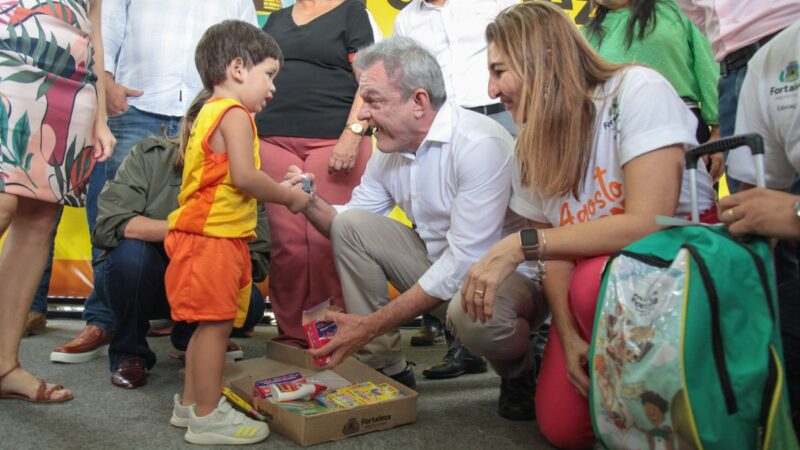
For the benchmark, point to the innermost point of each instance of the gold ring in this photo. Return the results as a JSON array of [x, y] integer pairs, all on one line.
[[479, 293], [731, 214]]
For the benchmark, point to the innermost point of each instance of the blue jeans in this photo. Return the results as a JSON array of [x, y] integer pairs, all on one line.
[[132, 279], [129, 128], [728, 89]]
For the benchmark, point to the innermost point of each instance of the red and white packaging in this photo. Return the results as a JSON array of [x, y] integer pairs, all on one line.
[[318, 330]]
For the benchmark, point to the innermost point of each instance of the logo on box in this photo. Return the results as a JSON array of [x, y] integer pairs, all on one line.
[[351, 427]]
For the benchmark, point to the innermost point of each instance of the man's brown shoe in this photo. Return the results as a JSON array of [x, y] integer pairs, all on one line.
[[91, 342], [130, 374], [35, 323]]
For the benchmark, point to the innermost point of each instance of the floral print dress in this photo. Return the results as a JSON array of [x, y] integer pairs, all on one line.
[[48, 100]]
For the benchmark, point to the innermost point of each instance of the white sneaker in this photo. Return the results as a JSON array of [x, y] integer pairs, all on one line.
[[224, 426], [180, 413]]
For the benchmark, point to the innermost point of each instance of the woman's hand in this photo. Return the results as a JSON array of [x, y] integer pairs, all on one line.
[[576, 355], [344, 154], [486, 275], [715, 161], [104, 141]]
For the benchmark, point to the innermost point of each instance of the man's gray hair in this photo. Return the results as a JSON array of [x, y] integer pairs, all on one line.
[[408, 64]]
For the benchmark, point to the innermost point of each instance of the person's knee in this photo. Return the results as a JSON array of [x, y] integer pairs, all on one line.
[[476, 336], [126, 259], [35, 217], [255, 310], [8, 207], [563, 418], [345, 226]]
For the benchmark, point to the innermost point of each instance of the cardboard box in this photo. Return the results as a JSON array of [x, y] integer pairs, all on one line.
[[323, 427]]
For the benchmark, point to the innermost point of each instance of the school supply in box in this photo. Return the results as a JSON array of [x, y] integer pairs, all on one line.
[[283, 392], [308, 422], [686, 349], [360, 394], [263, 387]]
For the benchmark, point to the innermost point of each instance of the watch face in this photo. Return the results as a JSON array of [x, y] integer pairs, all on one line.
[[356, 128], [529, 237]]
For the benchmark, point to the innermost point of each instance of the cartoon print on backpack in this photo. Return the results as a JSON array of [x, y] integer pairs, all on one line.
[[661, 436]]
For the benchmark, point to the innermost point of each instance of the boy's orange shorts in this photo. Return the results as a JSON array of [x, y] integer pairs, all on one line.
[[207, 279]]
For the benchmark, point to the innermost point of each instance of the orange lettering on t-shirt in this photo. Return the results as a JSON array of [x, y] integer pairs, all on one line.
[[599, 175], [598, 198], [607, 193], [583, 215], [616, 189], [566, 216]]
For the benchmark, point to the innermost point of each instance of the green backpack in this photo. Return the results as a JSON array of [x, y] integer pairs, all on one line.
[[686, 350]]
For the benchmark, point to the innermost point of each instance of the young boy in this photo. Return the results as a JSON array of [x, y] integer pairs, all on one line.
[[208, 277]]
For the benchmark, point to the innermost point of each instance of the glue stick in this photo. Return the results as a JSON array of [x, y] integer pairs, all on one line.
[[293, 391]]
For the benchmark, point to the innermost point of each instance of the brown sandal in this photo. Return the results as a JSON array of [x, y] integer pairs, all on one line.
[[43, 395]]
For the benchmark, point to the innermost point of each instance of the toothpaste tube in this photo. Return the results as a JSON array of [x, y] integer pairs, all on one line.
[[283, 392]]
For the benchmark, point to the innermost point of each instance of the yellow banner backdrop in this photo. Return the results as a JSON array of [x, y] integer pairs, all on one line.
[[72, 274]]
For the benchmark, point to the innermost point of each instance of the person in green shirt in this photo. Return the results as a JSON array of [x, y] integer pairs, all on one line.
[[655, 33]]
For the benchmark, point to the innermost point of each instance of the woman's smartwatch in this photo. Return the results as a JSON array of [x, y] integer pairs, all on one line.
[[529, 241]]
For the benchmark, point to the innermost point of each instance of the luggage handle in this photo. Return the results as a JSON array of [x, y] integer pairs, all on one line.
[[752, 140]]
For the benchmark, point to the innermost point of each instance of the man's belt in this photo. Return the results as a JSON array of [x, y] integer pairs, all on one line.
[[739, 58], [488, 110]]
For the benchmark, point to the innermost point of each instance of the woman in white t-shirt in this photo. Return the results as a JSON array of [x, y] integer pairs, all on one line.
[[600, 154]]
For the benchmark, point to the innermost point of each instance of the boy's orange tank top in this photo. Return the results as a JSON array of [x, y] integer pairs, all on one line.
[[209, 204]]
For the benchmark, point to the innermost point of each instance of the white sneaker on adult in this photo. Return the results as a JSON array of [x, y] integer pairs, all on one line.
[[180, 413], [224, 426]]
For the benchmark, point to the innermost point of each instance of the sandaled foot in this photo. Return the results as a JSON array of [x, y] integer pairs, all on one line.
[[16, 383]]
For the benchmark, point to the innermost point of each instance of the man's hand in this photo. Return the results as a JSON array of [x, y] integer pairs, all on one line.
[[117, 96], [761, 211], [352, 333], [300, 199]]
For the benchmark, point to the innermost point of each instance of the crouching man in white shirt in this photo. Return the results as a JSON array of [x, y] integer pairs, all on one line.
[[450, 170]]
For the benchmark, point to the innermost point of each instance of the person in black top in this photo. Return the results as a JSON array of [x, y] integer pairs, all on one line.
[[311, 123]]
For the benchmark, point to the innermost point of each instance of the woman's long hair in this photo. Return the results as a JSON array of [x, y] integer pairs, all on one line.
[[186, 127], [643, 14], [559, 73]]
